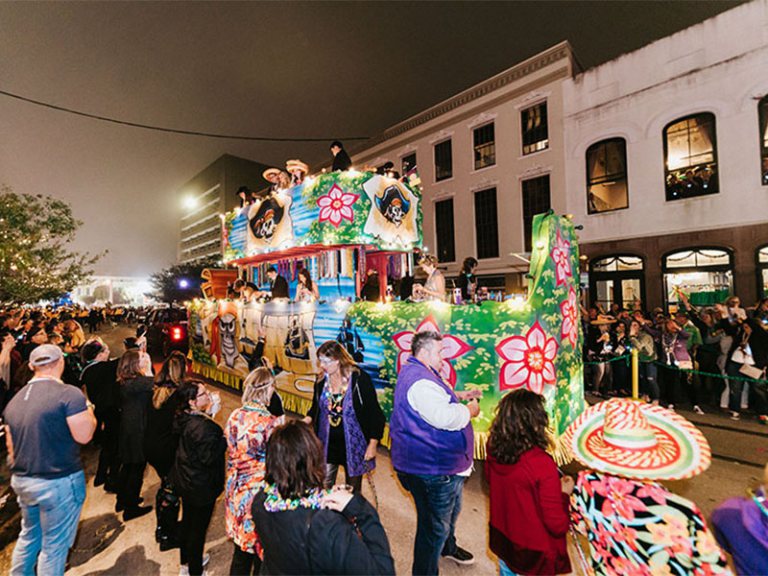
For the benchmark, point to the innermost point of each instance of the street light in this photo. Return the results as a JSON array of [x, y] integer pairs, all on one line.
[[183, 283], [190, 202]]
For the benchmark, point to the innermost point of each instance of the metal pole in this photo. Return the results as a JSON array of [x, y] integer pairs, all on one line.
[[635, 355]]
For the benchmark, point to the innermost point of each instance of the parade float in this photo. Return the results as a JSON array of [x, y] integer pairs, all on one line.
[[338, 226]]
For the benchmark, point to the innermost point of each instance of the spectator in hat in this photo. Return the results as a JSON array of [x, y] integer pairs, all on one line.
[[45, 423], [341, 160], [628, 448], [298, 171]]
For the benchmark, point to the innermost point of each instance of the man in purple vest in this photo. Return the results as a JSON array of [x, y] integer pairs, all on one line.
[[432, 448]]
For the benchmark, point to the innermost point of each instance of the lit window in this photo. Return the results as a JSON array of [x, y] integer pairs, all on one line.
[[484, 146], [690, 153], [607, 176], [535, 131]]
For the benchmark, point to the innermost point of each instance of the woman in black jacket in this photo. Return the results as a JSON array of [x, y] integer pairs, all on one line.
[[346, 415], [160, 441], [197, 474], [305, 529], [135, 398]]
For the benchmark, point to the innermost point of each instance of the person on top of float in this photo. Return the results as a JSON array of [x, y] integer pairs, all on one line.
[[298, 171], [434, 287]]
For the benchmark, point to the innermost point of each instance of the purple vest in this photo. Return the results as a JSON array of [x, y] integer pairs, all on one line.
[[354, 439], [418, 447]]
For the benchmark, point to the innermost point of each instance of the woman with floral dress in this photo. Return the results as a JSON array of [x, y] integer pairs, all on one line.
[[634, 524], [247, 431]]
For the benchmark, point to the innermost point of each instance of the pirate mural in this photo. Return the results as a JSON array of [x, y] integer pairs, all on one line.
[[225, 349], [269, 222], [296, 340], [393, 212]]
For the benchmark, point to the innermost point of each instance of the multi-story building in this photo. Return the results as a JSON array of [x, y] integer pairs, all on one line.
[[667, 165], [489, 159], [208, 195]]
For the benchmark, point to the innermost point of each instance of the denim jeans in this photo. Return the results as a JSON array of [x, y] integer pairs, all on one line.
[[438, 503], [50, 512]]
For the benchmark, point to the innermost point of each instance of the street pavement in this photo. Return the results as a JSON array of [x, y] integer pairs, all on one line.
[[108, 546]]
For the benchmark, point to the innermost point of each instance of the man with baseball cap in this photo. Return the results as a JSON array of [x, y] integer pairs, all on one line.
[[45, 423]]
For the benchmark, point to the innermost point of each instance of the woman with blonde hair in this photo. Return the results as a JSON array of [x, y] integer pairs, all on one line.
[[346, 415], [160, 442], [434, 287], [135, 399], [247, 431]]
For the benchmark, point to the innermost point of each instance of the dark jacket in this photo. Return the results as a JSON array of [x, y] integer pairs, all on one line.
[[364, 401], [279, 287], [341, 161], [160, 438], [100, 381], [198, 469], [135, 401], [306, 541]]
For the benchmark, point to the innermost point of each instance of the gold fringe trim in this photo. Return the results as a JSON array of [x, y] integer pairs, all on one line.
[[481, 440], [229, 380], [294, 402]]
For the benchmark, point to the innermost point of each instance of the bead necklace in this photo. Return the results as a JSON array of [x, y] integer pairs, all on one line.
[[336, 403], [275, 503]]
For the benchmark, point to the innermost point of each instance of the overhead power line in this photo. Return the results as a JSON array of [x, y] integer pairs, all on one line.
[[174, 130]]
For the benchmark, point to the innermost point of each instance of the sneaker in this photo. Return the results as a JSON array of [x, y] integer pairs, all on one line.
[[184, 570], [461, 556], [698, 410], [735, 416], [671, 407]]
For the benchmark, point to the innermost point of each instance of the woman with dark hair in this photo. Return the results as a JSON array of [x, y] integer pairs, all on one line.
[[305, 529], [247, 431], [467, 280], [529, 501], [346, 415], [306, 289], [160, 441], [135, 397], [197, 474]]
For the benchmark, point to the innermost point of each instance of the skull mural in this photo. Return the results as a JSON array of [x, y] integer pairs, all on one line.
[[393, 205], [266, 220], [224, 344], [269, 222]]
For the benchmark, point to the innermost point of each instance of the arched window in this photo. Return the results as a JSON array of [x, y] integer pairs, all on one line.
[[616, 279], [762, 112], [762, 271], [607, 176], [690, 156], [704, 274]]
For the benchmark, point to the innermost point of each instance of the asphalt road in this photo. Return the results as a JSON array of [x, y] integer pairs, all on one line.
[[108, 546]]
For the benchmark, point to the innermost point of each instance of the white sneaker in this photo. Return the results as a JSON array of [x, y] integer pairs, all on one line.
[[735, 416], [206, 559], [698, 410], [184, 570]]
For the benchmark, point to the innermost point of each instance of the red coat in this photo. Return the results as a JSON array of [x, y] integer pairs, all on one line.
[[529, 514]]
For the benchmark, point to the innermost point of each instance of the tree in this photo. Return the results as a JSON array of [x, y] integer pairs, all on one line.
[[35, 263], [181, 281]]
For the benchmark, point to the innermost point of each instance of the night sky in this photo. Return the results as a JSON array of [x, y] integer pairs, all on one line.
[[319, 70]]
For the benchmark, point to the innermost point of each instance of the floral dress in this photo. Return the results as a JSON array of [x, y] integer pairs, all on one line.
[[639, 528], [247, 431]]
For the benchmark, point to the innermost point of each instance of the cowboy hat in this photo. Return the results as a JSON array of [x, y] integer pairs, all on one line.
[[603, 319], [291, 165], [635, 440], [271, 174]]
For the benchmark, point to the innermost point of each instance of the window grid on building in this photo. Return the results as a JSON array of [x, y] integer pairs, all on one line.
[[535, 131], [443, 161], [607, 176], [444, 232], [484, 146], [486, 224], [690, 157], [408, 163], [536, 200]]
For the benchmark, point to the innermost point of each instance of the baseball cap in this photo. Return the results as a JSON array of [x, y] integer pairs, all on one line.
[[45, 354]]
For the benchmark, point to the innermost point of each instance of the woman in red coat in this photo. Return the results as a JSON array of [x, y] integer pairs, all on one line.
[[529, 500]]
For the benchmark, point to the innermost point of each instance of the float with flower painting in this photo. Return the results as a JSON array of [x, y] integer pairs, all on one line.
[[340, 225]]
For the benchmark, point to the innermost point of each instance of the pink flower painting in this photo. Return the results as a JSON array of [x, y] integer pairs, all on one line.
[[561, 254], [337, 206], [529, 361], [453, 347], [570, 310]]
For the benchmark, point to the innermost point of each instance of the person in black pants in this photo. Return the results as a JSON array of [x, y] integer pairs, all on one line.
[[100, 380], [135, 398], [198, 469]]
